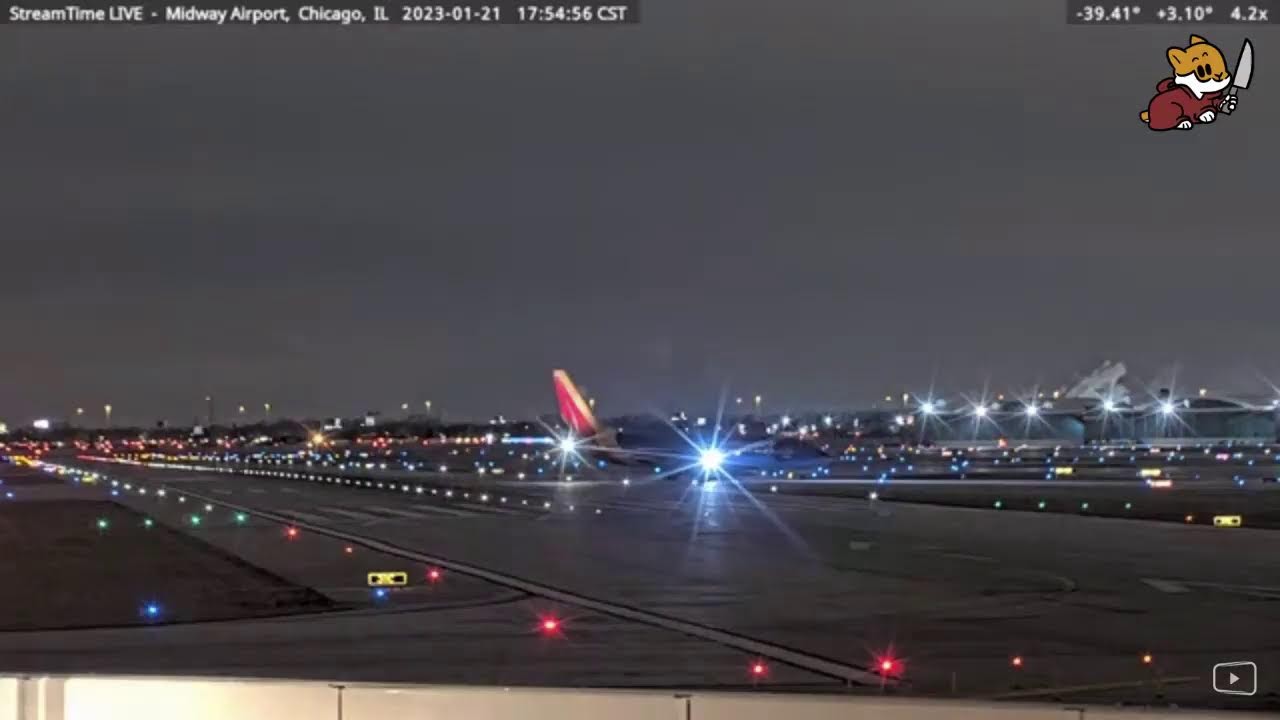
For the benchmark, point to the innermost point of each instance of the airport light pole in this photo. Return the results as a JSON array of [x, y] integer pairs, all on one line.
[[758, 399], [428, 404], [106, 410], [266, 411], [209, 400]]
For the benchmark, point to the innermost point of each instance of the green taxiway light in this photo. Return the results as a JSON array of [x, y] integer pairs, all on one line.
[[147, 523], [1040, 505], [241, 517], [1084, 506], [1128, 506], [103, 524], [998, 504], [195, 519]]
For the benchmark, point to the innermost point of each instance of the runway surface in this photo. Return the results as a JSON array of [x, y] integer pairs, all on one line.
[[664, 583]]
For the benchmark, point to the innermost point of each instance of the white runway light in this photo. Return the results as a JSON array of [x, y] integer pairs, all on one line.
[[712, 459]]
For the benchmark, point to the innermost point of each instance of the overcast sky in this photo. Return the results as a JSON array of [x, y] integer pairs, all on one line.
[[816, 200]]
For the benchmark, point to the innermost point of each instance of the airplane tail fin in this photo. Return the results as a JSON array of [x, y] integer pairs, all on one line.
[[574, 409]]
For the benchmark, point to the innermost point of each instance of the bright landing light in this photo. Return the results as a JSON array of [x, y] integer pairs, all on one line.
[[568, 445], [712, 459], [980, 410], [1166, 407], [927, 408]]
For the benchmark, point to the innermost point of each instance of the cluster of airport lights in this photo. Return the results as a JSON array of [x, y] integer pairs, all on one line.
[[1032, 409], [446, 493], [151, 610]]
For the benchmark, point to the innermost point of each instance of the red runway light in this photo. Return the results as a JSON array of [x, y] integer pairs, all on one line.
[[758, 668], [291, 532], [349, 550], [1016, 661], [887, 665], [1146, 659], [433, 574], [550, 625]]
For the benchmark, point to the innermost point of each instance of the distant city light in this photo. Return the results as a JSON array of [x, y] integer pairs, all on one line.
[[786, 421]]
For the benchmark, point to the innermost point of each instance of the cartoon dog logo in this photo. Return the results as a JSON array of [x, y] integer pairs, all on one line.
[[1201, 89]]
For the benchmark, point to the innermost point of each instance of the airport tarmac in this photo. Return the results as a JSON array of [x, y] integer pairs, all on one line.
[[954, 594]]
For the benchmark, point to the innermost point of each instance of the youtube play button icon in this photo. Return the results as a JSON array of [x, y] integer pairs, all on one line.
[[1235, 678]]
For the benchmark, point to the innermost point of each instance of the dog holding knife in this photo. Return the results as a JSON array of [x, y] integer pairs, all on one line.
[[1201, 89]]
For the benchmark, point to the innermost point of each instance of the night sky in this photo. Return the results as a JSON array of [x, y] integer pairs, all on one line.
[[816, 201]]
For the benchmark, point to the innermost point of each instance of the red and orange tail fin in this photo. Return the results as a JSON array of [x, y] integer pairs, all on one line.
[[574, 409]]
